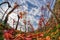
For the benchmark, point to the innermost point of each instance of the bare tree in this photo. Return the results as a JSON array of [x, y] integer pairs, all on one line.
[[5, 3], [6, 18], [17, 22], [21, 14], [7, 9], [48, 6], [31, 26]]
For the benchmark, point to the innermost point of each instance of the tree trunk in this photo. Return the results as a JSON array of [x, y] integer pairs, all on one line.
[[7, 3], [17, 23], [53, 14], [7, 9], [4, 14], [6, 18]]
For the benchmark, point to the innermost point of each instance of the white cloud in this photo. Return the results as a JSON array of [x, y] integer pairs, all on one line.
[[30, 15]]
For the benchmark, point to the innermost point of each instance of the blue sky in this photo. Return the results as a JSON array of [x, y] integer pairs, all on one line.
[[0, 1], [31, 4]]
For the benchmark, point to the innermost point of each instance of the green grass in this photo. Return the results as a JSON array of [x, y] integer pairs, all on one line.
[[1, 35]]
